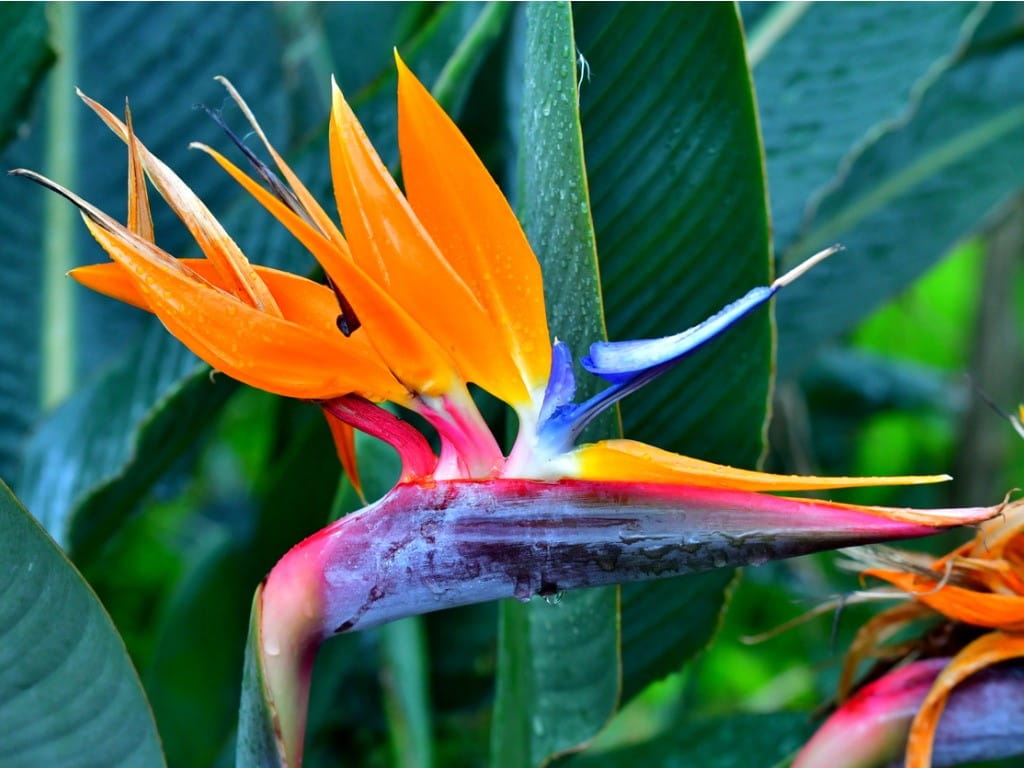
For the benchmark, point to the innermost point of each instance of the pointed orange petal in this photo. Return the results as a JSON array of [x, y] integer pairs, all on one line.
[[215, 243], [389, 244], [113, 280], [978, 608], [140, 220], [301, 301], [410, 352], [472, 223], [345, 444], [984, 652], [304, 361], [632, 460]]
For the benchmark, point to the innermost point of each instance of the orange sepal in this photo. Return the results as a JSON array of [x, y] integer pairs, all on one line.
[[393, 247], [300, 300], [410, 352], [632, 460], [472, 223], [982, 609], [310, 361], [983, 652]]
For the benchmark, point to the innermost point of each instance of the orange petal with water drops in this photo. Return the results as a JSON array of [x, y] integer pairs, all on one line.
[[300, 300], [982, 609], [409, 351], [214, 241], [265, 351], [983, 652], [472, 223], [392, 246], [632, 460]]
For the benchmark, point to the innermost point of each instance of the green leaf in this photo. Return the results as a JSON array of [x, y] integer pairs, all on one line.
[[92, 459], [819, 93], [68, 692], [257, 741], [906, 197], [665, 623], [728, 742], [558, 666], [404, 673], [675, 167], [193, 677]]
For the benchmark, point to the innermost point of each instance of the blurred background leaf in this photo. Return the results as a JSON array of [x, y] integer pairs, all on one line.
[[25, 40]]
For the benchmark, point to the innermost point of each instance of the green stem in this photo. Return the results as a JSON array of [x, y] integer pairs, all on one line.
[[773, 25], [58, 363], [458, 70]]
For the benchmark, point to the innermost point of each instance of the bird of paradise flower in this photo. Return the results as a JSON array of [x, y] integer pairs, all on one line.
[[427, 292], [977, 590]]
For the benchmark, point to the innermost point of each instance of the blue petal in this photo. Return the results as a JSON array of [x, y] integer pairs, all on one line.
[[561, 383], [621, 361]]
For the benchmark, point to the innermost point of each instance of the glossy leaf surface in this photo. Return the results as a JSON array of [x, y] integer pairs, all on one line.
[[68, 692]]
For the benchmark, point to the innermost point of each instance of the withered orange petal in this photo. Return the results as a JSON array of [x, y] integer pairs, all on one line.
[[632, 460], [214, 241], [392, 246], [309, 203], [254, 347], [873, 634], [409, 351], [983, 652], [469, 218], [981, 609], [140, 219]]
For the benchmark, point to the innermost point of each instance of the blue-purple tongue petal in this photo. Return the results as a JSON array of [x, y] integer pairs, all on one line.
[[629, 365], [619, 361], [561, 387]]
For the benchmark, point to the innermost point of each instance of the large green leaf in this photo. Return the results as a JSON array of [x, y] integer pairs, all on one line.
[[675, 167], [558, 666], [69, 695], [103, 447], [903, 199], [819, 92]]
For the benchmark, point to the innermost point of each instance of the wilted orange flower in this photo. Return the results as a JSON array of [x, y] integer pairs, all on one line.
[[979, 584]]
